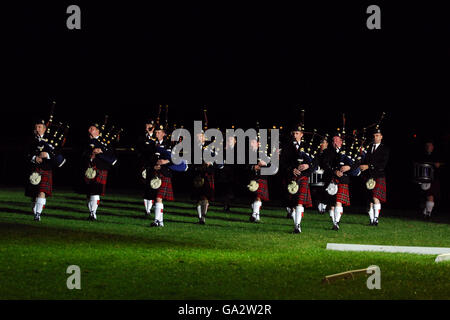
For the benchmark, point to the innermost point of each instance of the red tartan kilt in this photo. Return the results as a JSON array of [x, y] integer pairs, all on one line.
[[165, 191], [45, 185], [379, 191], [303, 195], [263, 189], [98, 184], [343, 194], [209, 179]]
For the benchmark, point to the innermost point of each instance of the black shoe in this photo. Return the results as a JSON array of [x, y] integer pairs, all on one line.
[[252, 219], [335, 227], [371, 223], [202, 221], [296, 230], [37, 218], [375, 223], [154, 224]]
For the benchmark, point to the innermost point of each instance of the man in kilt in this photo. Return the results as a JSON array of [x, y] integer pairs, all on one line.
[[261, 193], [146, 149], [298, 167], [203, 180], [42, 160], [98, 158], [430, 195], [336, 167], [157, 169], [373, 166]]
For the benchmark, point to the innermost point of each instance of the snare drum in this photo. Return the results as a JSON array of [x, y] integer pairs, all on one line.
[[316, 178], [423, 172]]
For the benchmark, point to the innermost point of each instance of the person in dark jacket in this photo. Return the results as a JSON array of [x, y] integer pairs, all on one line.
[[432, 193], [373, 167], [98, 159], [297, 169], [42, 159], [337, 167]]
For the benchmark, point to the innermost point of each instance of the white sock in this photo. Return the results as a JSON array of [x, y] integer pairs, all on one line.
[[429, 206], [377, 209], [39, 205], [371, 213], [159, 211], [332, 215], [199, 211], [338, 213], [93, 205], [256, 206], [204, 207], [148, 205], [298, 214], [288, 210]]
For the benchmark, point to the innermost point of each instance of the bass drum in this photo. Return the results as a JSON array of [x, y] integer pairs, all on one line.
[[316, 178], [423, 173]]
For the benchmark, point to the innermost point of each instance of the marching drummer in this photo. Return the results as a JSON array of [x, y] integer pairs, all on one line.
[[319, 192], [430, 191], [373, 170]]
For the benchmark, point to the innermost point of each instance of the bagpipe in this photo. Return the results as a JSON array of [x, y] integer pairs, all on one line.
[[54, 139], [304, 155], [108, 138], [361, 150]]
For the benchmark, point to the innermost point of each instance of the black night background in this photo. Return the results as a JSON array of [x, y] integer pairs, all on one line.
[[244, 62]]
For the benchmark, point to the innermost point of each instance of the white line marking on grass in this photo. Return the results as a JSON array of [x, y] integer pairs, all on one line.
[[443, 257], [378, 248]]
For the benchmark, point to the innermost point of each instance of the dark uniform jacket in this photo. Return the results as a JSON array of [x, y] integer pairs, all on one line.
[[37, 146], [102, 161], [376, 161], [332, 161], [292, 156]]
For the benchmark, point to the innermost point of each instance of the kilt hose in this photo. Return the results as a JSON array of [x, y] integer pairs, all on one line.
[[379, 191], [343, 194], [45, 185], [263, 189], [303, 195], [205, 191], [96, 186]]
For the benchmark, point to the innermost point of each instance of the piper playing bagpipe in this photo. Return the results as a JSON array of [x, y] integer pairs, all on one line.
[[44, 155], [156, 168], [373, 164], [338, 166], [298, 167], [203, 175], [98, 158], [258, 185]]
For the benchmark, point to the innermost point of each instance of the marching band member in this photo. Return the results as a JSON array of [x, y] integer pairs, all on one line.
[[298, 167], [159, 175], [228, 175], [373, 167], [258, 183], [431, 194], [203, 181], [336, 166], [98, 160], [42, 159], [319, 192], [146, 148]]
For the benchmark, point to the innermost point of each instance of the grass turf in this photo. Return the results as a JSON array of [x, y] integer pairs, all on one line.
[[121, 257]]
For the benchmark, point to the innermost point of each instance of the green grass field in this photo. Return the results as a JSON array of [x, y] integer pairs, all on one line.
[[121, 257]]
